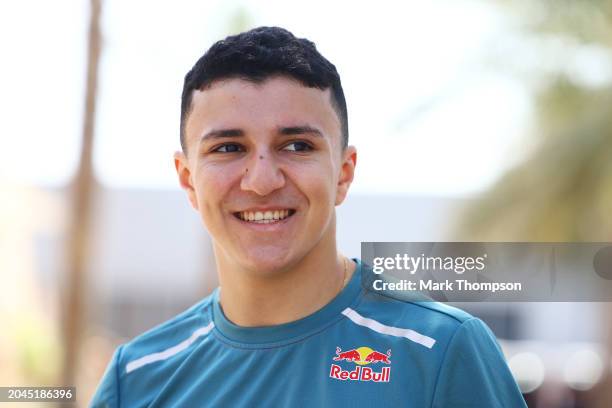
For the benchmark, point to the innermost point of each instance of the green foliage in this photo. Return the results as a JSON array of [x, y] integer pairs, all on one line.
[[39, 351], [588, 21], [563, 190]]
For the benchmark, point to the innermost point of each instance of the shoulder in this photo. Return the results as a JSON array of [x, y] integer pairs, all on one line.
[[434, 322], [411, 311], [181, 330], [405, 310], [161, 343]]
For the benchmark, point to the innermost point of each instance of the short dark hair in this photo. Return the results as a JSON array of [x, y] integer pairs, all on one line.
[[255, 56]]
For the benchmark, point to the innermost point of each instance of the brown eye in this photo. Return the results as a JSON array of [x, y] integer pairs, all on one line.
[[228, 148], [298, 147]]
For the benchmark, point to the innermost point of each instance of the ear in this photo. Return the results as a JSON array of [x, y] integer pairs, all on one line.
[[181, 163], [347, 172]]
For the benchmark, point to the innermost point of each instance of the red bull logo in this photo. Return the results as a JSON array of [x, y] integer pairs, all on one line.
[[362, 357]]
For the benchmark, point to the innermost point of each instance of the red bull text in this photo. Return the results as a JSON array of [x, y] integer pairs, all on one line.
[[362, 356]]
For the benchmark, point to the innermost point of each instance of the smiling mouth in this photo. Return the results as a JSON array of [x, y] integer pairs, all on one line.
[[264, 217]]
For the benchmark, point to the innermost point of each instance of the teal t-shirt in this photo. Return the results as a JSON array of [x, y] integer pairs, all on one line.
[[363, 349]]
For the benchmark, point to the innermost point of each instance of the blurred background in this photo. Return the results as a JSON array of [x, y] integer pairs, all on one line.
[[474, 120]]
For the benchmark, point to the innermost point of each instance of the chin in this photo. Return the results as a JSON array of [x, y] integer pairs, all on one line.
[[268, 261]]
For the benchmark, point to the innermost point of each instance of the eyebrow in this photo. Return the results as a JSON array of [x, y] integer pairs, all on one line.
[[283, 130], [299, 130], [221, 133]]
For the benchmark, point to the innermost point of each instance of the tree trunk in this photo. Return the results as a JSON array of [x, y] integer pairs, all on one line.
[[81, 190]]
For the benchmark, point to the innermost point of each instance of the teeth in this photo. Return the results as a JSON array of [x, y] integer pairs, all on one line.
[[263, 217]]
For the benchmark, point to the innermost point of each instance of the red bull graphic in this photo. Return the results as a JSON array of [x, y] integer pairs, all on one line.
[[351, 355], [361, 356], [375, 357]]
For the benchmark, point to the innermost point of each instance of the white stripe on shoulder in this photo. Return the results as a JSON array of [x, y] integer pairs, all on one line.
[[169, 352], [390, 330]]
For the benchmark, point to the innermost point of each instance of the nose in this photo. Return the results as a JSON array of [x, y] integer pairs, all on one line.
[[262, 174]]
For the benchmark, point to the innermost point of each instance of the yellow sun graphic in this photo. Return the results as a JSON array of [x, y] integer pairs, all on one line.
[[363, 353]]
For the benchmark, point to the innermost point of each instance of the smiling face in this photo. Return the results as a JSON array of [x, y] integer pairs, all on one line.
[[265, 170]]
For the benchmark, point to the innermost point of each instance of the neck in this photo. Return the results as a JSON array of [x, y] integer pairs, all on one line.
[[264, 299]]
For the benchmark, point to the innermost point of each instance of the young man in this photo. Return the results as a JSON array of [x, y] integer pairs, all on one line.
[[265, 160]]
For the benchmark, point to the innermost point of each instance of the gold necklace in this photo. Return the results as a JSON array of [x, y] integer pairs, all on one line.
[[345, 274]]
